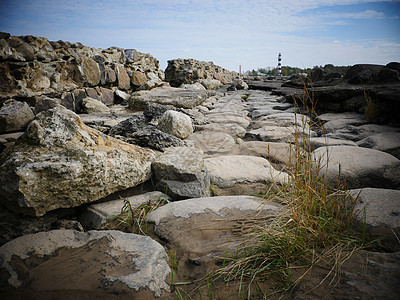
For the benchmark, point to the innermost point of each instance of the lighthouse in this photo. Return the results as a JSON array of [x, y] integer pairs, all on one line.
[[279, 65]]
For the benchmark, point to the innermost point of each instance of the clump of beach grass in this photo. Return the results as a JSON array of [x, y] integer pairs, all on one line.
[[134, 218]]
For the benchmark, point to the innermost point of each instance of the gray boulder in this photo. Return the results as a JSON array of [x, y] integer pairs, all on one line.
[[84, 265], [386, 141], [176, 124], [90, 105], [180, 173], [75, 163], [14, 116]]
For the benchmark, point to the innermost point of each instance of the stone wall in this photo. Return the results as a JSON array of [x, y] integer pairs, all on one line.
[[181, 71], [32, 67]]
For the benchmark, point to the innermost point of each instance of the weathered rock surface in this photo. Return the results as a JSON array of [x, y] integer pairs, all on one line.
[[136, 130], [356, 133], [75, 164], [207, 227], [379, 211], [243, 174], [14, 116], [77, 264], [359, 167], [316, 142], [363, 275], [182, 98], [213, 143], [33, 66], [176, 124]]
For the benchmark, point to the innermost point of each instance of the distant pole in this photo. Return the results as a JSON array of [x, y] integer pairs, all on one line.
[[240, 70], [279, 65]]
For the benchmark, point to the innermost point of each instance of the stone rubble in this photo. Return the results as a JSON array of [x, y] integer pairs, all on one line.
[[75, 150]]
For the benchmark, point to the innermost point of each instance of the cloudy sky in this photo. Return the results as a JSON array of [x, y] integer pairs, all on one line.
[[228, 32]]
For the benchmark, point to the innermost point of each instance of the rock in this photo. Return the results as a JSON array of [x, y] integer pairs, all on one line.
[[14, 116], [234, 130], [211, 84], [249, 174], [192, 86], [138, 78], [362, 73], [97, 216], [107, 96], [213, 142], [96, 263], [75, 164], [387, 141], [357, 133], [45, 103], [176, 124], [91, 70], [379, 211], [135, 130], [124, 82], [180, 173], [179, 190], [316, 142], [317, 74], [358, 167], [180, 164], [278, 133], [228, 117], [168, 96], [205, 229], [363, 274], [121, 97], [339, 123], [182, 71], [90, 106], [278, 154], [239, 84]]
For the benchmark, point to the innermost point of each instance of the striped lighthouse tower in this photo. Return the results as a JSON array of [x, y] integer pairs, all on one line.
[[279, 65]]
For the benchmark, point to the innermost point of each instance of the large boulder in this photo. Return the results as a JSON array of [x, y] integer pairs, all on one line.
[[176, 123], [90, 105], [358, 167], [99, 264], [362, 73], [60, 162], [14, 116]]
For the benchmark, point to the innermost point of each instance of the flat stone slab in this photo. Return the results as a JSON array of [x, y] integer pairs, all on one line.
[[205, 227], [230, 170], [177, 97], [77, 264], [359, 167], [316, 142], [278, 133], [356, 133], [229, 118], [96, 216], [234, 130], [379, 210], [213, 143]]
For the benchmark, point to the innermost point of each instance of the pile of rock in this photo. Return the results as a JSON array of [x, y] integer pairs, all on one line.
[[184, 71]]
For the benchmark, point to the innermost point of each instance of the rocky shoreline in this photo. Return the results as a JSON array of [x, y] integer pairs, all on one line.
[[85, 132]]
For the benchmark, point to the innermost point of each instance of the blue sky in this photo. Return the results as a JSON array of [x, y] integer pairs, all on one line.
[[228, 32]]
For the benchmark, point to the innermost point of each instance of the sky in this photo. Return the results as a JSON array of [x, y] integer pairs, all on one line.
[[228, 32]]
